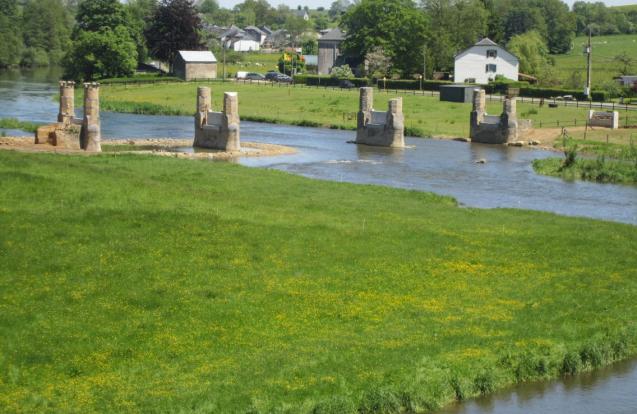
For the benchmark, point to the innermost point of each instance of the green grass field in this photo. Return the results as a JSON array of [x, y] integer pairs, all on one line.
[[605, 48], [424, 115], [134, 283]]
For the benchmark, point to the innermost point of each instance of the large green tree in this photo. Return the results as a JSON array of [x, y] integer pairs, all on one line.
[[175, 26], [444, 40], [46, 31], [103, 42], [397, 26], [531, 49], [10, 34], [102, 54]]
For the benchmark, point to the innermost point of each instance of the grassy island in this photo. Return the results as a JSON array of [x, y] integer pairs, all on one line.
[[133, 283]]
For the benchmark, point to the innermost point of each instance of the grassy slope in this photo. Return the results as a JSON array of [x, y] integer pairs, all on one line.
[[424, 115], [605, 48], [252, 62], [132, 283]]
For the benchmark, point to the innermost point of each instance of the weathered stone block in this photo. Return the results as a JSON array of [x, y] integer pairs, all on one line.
[[386, 129]]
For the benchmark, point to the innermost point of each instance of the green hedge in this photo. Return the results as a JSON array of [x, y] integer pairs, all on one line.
[[598, 96], [140, 79], [427, 85], [314, 80]]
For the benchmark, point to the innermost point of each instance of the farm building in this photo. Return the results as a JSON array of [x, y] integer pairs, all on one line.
[[195, 64], [484, 61], [329, 50]]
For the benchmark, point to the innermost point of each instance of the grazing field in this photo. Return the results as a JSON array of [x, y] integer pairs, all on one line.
[[604, 67], [332, 108], [149, 284]]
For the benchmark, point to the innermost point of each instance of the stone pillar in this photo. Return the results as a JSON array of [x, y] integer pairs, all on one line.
[[67, 102], [477, 114], [204, 105], [396, 123], [231, 120], [509, 120], [365, 108], [90, 138]]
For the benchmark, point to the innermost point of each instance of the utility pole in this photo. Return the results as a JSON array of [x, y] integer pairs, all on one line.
[[424, 62], [589, 53], [223, 47]]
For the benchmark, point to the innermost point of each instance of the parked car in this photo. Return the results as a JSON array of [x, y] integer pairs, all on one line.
[[271, 75], [254, 76], [345, 84], [283, 78]]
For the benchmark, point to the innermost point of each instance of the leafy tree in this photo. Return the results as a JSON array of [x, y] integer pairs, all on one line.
[[532, 51], [444, 40], [625, 62], [103, 42], [560, 25], [209, 6], [10, 36], [378, 63], [96, 15], [522, 18], [139, 15], [101, 54], [310, 46], [296, 26], [395, 25], [46, 32], [338, 8], [175, 27]]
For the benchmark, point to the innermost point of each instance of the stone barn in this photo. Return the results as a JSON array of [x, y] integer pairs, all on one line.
[[195, 64]]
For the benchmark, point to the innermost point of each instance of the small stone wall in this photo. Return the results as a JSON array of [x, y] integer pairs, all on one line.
[[386, 129], [606, 119], [217, 130], [489, 129], [70, 132]]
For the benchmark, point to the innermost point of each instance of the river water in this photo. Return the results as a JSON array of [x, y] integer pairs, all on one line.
[[444, 167]]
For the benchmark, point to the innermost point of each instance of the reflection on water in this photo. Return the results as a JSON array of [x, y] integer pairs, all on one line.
[[608, 390], [506, 179]]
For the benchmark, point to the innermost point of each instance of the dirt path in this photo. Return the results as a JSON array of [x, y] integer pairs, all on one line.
[[155, 146]]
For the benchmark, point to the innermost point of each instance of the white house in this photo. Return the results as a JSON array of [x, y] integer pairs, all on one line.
[[483, 61], [241, 40]]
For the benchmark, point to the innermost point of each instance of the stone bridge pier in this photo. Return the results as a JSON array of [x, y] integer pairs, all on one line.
[[502, 129], [217, 130], [379, 128], [70, 132]]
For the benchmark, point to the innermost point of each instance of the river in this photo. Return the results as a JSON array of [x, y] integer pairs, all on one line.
[[444, 167]]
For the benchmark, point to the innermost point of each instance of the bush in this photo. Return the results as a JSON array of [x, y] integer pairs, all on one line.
[[314, 80]]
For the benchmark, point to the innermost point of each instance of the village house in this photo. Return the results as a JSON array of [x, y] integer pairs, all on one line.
[[195, 64], [248, 40], [483, 61]]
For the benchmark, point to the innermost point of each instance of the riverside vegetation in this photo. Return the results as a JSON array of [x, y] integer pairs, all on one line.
[[614, 163], [132, 283]]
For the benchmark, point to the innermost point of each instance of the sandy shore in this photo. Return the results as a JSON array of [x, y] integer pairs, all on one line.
[[167, 147]]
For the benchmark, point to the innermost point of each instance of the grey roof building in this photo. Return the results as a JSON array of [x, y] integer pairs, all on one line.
[[329, 50]]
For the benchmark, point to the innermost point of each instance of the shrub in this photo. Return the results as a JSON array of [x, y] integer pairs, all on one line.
[[314, 80], [484, 383], [571, 363], [342, 72]]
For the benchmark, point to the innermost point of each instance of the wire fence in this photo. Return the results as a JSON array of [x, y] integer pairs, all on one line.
[[550, 102]]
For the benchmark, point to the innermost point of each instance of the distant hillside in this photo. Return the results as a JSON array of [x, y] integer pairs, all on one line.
[[572, 66], [626, 8]]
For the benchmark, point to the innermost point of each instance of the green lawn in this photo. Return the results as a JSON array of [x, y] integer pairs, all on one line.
[[605, 48], [424, 115], [133, 283]]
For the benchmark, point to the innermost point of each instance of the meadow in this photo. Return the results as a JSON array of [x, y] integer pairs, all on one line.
[[132, 283], [320, 107], [604, 67]]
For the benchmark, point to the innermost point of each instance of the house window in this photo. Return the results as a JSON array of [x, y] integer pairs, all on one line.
[[492, 53], [491, 68]]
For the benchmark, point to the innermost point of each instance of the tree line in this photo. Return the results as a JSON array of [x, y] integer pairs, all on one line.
[[106, 38]]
